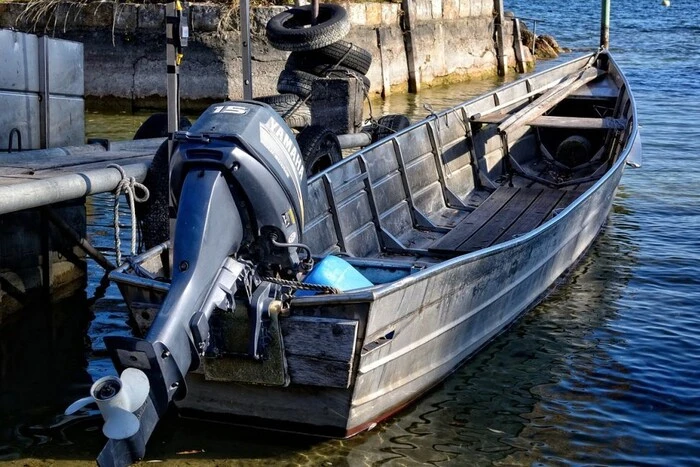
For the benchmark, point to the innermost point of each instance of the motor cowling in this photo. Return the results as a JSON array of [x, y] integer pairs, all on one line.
[[259, 156]]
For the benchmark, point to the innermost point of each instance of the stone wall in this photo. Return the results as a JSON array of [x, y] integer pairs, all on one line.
[[124, 46]]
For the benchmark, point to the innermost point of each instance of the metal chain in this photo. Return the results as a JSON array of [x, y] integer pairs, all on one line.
[[302, 286], [128, 186]]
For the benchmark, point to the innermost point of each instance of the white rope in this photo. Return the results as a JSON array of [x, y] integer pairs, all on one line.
[[128, 186]]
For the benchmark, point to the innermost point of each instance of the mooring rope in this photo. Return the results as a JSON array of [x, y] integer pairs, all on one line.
[[128, 186]]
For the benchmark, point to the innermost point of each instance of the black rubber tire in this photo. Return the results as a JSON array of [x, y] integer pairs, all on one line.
[[296, 82], [574, 150], [336, 71], [342, 53], [152, 214], [291, 30], [156, 126], [290, 107], [319, 147], [388, 125]]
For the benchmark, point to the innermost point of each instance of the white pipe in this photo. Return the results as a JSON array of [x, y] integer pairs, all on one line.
[[355, 140]]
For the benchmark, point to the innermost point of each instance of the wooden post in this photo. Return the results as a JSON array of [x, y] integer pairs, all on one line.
[[605, 24], [518, 46], [409, 14], [500, 39]]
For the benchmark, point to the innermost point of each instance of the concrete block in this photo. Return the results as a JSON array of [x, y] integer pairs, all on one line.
[[265, 77], [96, 15], [151, 17], [487, 7], [476, 8], [259, 18], [206, 71], [437, 9], [373, 14], [424, 10], [465, 8], [146, 82], [9, 12], [357, 14], [428, 40], [450, 9], [126, 17], [390, 14]]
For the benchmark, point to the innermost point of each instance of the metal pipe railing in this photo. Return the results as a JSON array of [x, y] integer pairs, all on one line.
[[36, 193]]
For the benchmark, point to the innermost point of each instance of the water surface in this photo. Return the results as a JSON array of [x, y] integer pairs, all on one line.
[[606, 371]]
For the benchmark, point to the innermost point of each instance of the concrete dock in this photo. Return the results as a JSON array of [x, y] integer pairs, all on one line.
[[39, 260]]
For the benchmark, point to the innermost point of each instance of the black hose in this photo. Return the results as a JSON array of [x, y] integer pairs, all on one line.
[[273, 240]]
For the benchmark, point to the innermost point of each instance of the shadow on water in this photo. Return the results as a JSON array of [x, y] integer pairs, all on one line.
[[42, 369]]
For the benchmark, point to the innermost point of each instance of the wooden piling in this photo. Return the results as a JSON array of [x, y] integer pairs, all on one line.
[[408, 10], [605, 24], [518, 46]]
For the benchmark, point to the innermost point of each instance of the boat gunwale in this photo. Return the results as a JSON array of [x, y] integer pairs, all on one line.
[[381, 290]]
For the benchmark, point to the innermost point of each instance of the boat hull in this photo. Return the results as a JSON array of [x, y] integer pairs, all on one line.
[[354, 358], [437, 320]]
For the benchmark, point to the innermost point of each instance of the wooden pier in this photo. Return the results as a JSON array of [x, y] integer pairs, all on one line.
[[32, 179], [42, 191]]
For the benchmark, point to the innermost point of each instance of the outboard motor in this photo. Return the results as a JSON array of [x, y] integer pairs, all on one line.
[[238, 181]]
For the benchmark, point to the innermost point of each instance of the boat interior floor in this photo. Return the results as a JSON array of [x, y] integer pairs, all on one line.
[[506, 213]]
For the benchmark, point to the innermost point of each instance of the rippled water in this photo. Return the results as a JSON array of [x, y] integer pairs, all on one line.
[[605, 371]]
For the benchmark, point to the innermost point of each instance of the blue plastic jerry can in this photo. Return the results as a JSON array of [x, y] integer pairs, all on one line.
[[334, 272]]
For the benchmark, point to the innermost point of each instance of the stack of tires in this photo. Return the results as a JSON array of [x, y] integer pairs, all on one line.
[[317, 51]]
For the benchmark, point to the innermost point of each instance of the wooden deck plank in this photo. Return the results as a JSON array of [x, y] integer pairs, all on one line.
[[475, 220], [498, 224], [535, 215]]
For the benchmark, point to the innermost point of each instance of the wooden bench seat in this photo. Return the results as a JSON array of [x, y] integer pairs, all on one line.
[[547, 121], [507, 213]]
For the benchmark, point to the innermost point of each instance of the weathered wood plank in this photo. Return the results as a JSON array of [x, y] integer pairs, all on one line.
[[319, 351], [498, 224], [535, 215], [548, 121], [549, 99], [603, 89], [579, 122], [324, 407], [518, 46], [318, 372], [320, 338], [476, 220]]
